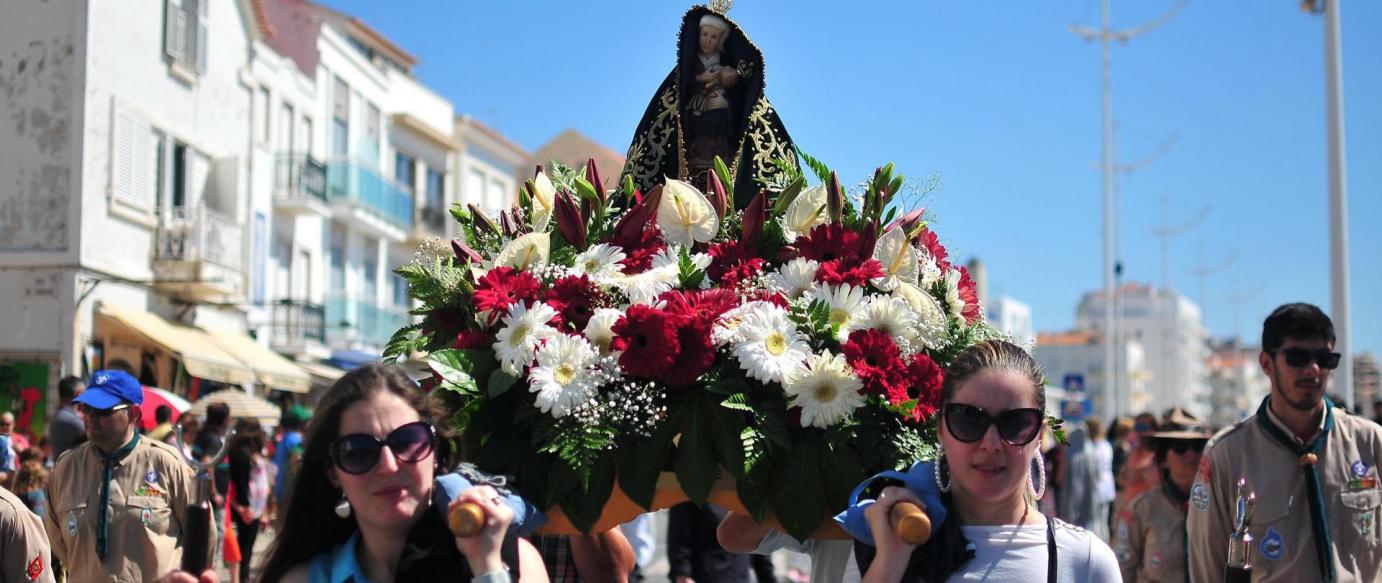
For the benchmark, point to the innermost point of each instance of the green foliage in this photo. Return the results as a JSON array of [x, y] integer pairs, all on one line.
[[404, 342], [457, 369], [817, 167], [814, 320], [687, 272], [579, 446]]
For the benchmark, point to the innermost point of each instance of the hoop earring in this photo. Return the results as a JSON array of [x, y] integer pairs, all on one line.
[[1040, 478], [944, 486], [343, 507]]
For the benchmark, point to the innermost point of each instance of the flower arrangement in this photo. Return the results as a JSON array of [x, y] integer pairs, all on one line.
[[590, 338]]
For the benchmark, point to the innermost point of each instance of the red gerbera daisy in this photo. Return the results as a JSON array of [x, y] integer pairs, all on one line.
[[501, 287], [934, 247], [926, 379], [639, 249], [704, 305], [851, 271], [970, 295], [696, 354], [648, 337], [575, 299], [829, 242], [876, 360]]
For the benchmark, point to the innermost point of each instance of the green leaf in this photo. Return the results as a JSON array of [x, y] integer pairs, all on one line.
[[455, 368], [641, 463], [800, 503], [709, 440], [817, 167], [843, 470], [499, 382], [789, 194], [690, 276], [403, 342], [722, 171], [583, 507]]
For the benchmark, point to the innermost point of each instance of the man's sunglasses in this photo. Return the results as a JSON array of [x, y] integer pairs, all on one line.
[[1181, 446], [90, 411], [1016, 427], [357, 453], [1300, 357]]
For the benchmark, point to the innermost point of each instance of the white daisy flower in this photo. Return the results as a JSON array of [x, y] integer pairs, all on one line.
[[892, 315], [795, 277], [726, 329], [770, 346], [670, 258], [931, 318], [643, 288], [603, 263], [524, 329], [846, 305], [599, 328], [826, 390], [562, 377]]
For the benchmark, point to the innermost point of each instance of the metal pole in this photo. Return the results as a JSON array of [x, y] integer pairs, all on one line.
[[1111, 404], [1338, 200]]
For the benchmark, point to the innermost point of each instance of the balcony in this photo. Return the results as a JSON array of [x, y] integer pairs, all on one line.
[[296, 326], [300, 184], [199, 256], [431, 222], [358, 322], [372, 201]]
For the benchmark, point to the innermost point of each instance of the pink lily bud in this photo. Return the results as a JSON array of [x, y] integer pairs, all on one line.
[[640, 215], [835, 198], [909, 221], [754, 216], [569, 221], [482, 220], [506, 224], [868, 240], [465, 254], [592, 175], [718, 198]]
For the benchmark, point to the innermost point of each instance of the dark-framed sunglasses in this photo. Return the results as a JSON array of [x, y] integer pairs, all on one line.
[[1016, 427], [1300, 357], [1181, 446], [90, 411], [358, 453]]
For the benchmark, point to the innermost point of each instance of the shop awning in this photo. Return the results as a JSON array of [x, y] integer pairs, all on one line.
[[270, 369], [200, 355], [323, 372], [241, 404]]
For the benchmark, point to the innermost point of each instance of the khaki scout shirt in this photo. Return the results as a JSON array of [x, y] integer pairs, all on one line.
[[1151, 539], [1282, 548], [24, 553], [149, 494]]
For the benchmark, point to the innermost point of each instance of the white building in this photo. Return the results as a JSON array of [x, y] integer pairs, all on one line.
[[487, 166], [1074, 361], [1011, 317], [1171, 331], [1236, 381]]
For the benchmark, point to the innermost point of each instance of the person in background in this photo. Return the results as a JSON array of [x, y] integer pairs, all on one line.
[[1079, 497], [191, 428], [693, 554], [163, 416], [1120, 437], [832, 561], [1151, 534], [288, 451], [9, 458], [25, 556], [30, 481], [1140, 473], [639, 531], [249, 484], [206, 445], [1104, 491], [1377, 410], [66, 427]]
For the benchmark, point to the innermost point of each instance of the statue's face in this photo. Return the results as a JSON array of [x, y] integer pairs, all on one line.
[[710, 39]]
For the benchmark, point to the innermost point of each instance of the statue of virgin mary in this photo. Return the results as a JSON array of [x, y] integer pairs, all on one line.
[[710, 105]]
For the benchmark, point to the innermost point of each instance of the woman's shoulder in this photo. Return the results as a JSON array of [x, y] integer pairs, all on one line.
[[1090, 553]]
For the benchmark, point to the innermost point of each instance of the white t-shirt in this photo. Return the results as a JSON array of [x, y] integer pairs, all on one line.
[[1018, 554], [832, 561]]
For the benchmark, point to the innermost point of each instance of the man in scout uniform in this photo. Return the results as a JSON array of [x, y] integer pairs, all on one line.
[[1312, 467], [116, 504], [1150, 533], [24, 555]]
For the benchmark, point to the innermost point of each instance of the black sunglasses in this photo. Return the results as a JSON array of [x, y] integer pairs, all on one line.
[[357, 453], [90, 411], [1181, 446], [1300, 357], [1016, 427]]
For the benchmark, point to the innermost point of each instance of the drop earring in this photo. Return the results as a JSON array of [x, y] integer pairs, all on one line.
[[1037, 483], [343, 507], [944, 486]]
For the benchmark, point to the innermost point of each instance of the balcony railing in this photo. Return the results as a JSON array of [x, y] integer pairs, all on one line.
[[298, 176], [201, 234], [359, 185], [364, 321], [295, 322], [433, 219]]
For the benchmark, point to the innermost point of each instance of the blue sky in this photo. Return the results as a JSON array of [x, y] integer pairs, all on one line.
[[1003, 103]]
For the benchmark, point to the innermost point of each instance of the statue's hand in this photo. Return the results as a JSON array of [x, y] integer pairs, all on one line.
[[728, 77]]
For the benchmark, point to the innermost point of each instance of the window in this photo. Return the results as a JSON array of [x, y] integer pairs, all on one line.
[[340, 100], [184, 33], [370, 292], [285, 129], [283, 269], [302, 278], [337, 259], [404, 169], [435, 182], [497, 192], [308, 139], [258, 269], [262, 116], [400, 291], [474, 191], [369, 145], [181, 166], [135, 161]]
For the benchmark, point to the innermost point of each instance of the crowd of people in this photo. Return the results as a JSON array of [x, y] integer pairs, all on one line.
[[361, 492]]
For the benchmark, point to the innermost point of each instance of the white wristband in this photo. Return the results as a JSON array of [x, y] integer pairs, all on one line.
[[500, 576]]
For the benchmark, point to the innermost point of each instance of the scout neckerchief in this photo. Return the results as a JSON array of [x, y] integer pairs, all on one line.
[[1309, 454], [103, 523], [1181, 500]]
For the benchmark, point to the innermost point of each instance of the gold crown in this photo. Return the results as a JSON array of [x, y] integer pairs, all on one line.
[[719, 6]]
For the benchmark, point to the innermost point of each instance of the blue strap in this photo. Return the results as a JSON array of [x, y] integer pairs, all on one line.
[[526, 517], [920, 479]]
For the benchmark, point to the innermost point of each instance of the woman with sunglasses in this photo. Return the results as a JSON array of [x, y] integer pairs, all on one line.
[[990, 472], [362, 507], [1150, 541]]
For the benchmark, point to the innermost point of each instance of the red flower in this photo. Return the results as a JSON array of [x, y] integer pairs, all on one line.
[[471, 339], [649, 340], [733, 262], [639, 249], [703, 306], [970, 295], [772, 297], [933, 246], [575, 299], [501, 287], [851, 271], [696, 354], [926, 380], [877, 361], [829, 242]]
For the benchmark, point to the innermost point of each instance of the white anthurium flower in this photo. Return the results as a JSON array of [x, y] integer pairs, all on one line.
[[770, 346], [805, 212], [846, 305], [794, 277], [892, 315], [544, 202], [600, 327], [524, 330], [726, 329], [563, 378], [685, 215], [899, 258], [931, 318], [602, 262], [525, 252], [826, 390], [952, 295]]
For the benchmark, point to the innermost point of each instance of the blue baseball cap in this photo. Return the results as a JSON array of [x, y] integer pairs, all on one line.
[[109, 388]]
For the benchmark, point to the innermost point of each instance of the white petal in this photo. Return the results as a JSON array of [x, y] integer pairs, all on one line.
[[806, 211], [899, 258], [524, 252], [544, 201], [685, 215]]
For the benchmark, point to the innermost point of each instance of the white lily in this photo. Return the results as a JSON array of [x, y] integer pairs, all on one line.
[[525, 252], [901, 261], [685, 215], [805, 212], [544, 202]]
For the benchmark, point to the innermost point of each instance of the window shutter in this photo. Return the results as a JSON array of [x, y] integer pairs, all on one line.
[[203, 9], [173, 30], [134, 161]]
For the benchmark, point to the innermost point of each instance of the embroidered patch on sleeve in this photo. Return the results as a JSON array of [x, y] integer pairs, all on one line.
[[35, 567], [1199, 496]]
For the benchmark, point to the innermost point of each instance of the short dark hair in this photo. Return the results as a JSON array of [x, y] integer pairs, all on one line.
[[163, 414], [67, 387], [120, 364], [216, 414], [1299, 321]]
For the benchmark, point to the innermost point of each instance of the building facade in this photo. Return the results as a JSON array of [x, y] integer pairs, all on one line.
[[1074, 361], [1013, 318], [1236, 381]]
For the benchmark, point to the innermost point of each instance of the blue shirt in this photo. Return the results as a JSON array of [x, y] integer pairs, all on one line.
[[290, 441]]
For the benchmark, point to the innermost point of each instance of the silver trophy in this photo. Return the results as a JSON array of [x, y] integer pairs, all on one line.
[[1239, 566], [196, 533]]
